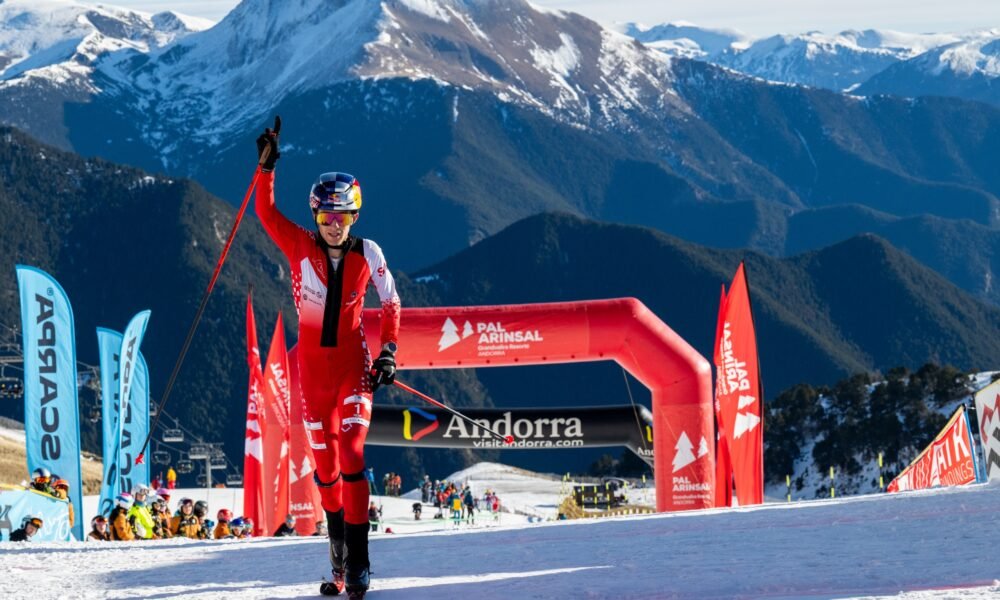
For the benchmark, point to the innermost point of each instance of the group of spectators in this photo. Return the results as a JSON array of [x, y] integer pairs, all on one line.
[[392, 483], [44, 482], [145, 515], [460, 503]]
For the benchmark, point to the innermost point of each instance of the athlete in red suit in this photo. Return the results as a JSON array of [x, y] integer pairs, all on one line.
[[331, 271]]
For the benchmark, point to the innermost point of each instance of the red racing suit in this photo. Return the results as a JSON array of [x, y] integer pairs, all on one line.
[[333, 356]]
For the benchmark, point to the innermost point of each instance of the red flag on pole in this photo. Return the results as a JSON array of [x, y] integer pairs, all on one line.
[[740, 393], [277, 396], [723, 464], [305, 502], [253, 457]]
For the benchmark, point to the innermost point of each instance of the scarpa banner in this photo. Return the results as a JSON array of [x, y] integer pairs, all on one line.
[[128, 359], [532, 428], [948, 460], [17, 503], [51, 408], [988, 413], [135, 425]]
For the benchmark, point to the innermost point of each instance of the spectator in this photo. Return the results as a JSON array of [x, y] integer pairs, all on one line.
[[386, 483], [222, 530], [121, 528], [426, 490], [157, 481], [287, 528], [60, 489], [40, 479], [370, 476], [161, 518], [237, 527], [417, 509], [469, 503], [30, 525], [98, 530], [185, 523], [320, 529], [201, 512], [373, 516], [164, 494], [247, 527], [455, 502], [439, 501], [171, 478], [139, 513]]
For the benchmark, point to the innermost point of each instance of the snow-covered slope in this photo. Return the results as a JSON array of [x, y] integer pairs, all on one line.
[[266, 50], [686, 39], [969, 68], [918, 545], [61, 40], [840, 61]]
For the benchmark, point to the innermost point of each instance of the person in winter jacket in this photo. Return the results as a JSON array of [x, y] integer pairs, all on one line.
[[98, 530], [330, 273], [222, 530], [287, 528], [185, 523], [161, 518], [171, 478], [139, 514], [247, 527], [373, 516], [60, 489], [201, 511], [41, 481], [121, 527], [236, 528], [30, 525]]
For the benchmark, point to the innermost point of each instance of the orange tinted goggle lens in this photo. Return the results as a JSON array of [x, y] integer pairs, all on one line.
[[331, 218], [37, 523], [42, 479]]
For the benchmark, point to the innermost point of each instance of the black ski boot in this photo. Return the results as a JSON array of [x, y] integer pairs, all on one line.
[[335, 529], [356, 575]]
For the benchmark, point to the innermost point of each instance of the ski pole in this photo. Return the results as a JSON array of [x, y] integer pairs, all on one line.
[[509, 439], [208, 292]]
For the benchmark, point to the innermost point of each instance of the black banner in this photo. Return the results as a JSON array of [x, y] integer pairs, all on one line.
[[532, 428]]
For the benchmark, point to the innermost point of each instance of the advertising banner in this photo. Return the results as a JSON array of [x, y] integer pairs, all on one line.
[[621, 329], [128, 358], [51, 405], [304, 500], [277, 397], [532, 428], [253, 449], [17, 503], [988, 413], [947, 461], [135, 425], [739, 394]]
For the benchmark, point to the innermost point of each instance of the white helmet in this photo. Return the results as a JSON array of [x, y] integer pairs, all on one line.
[[125, 500]]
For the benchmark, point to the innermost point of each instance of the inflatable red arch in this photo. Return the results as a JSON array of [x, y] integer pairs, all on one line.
[[623, 330]]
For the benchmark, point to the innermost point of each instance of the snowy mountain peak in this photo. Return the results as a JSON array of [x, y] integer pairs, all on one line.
[[61, 38], [552, 61]]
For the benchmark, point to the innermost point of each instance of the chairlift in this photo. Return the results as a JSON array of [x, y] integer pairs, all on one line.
[[161, 457], [234, 479], [185, 466], [217, 462], [202, 480], [152, 410], [173, 435], [199, 452]]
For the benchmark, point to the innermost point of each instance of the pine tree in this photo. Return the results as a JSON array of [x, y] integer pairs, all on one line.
[[449, 335]]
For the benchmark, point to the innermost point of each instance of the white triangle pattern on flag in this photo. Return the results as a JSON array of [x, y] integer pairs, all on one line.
[[684, 455], [745, 422], [449, 335], [702, 447], [745, 401]]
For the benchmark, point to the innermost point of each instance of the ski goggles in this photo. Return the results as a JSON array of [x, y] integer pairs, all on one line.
[[343, 219], [36, 522], [42, 479], [100, 521]]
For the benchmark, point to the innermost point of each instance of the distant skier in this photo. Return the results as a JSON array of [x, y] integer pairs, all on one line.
[[331, 270]]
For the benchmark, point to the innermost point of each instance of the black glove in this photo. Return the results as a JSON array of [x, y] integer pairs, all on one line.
[[269, 139], [383, 370]]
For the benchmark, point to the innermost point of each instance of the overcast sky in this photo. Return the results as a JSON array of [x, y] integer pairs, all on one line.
[[756, 17]]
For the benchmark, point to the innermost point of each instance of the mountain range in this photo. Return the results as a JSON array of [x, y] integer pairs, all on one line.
[[151, 242]]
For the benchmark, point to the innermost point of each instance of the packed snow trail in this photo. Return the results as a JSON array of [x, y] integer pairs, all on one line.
[[928, 544]]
